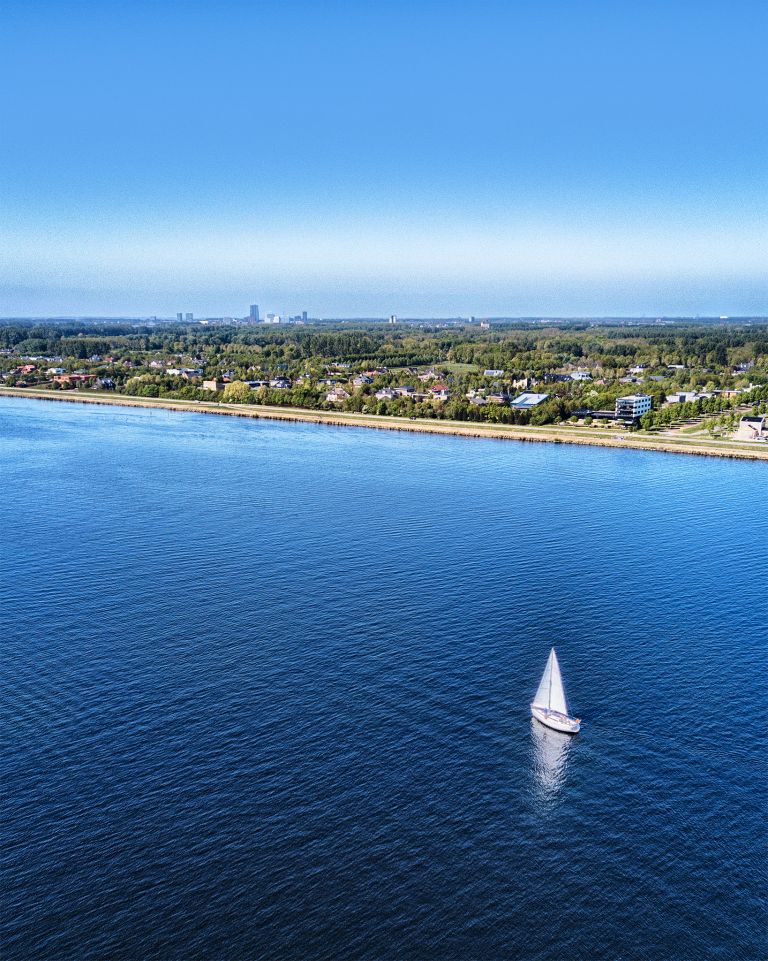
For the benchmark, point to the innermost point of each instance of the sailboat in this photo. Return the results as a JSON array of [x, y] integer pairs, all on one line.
[[550, 706]]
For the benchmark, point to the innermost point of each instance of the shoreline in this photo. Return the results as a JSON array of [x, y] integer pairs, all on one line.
[[546, 435]]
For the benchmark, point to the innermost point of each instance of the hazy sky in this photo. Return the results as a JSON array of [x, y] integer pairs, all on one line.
[[354, 159]]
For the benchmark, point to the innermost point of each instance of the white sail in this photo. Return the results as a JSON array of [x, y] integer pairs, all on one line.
[[551, 693], [542, 695], [557, 698]]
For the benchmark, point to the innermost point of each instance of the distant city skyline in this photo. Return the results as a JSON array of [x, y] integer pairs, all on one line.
[[514, 159]]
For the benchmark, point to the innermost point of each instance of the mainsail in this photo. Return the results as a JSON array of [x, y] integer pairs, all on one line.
[[551, 693]]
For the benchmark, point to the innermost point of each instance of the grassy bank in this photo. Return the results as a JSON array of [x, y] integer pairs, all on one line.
[[559, 434]]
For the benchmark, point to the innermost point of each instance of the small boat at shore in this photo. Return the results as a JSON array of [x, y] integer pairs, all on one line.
[[550, 705]]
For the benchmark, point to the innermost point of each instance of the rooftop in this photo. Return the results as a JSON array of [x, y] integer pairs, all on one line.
[[526, 400]]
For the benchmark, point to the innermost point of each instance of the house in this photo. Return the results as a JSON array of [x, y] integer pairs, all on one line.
[[280, 383], [633, 406], [405, 391], [430, 374], [638, 369], [492, 372], [527, 400], [55, 370], [213, 385], [751, 428], [337, 395], [256, 384], [73, 380], [440, 392], [362, 380], [682, 397], [581, 375], [498, 398], [386, 393]]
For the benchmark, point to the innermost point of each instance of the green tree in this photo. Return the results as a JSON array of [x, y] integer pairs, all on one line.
[[237, 393]]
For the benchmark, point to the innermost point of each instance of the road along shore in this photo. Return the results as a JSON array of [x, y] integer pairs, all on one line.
[[553, 435]]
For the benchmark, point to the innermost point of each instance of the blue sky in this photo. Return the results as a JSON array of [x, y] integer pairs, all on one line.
[[355, 159]]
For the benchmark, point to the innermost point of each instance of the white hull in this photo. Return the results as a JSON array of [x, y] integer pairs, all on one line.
[[556, 720]]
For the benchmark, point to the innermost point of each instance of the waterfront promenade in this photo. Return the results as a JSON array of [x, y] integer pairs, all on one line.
[[557, 434]]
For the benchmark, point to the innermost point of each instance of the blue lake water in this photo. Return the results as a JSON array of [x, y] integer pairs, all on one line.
[[265, 694]]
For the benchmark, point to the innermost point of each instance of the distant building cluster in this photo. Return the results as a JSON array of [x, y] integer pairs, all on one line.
[[254, 317]]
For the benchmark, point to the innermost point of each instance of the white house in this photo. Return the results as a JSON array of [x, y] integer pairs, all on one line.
[[682, 396], [751, 428], [633, 406], [337, 396]]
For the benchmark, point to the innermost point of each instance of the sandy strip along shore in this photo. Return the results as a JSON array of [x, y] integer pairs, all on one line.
[[550, 434]]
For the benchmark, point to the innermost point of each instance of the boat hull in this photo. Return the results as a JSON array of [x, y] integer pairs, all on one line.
[[555, 720]]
